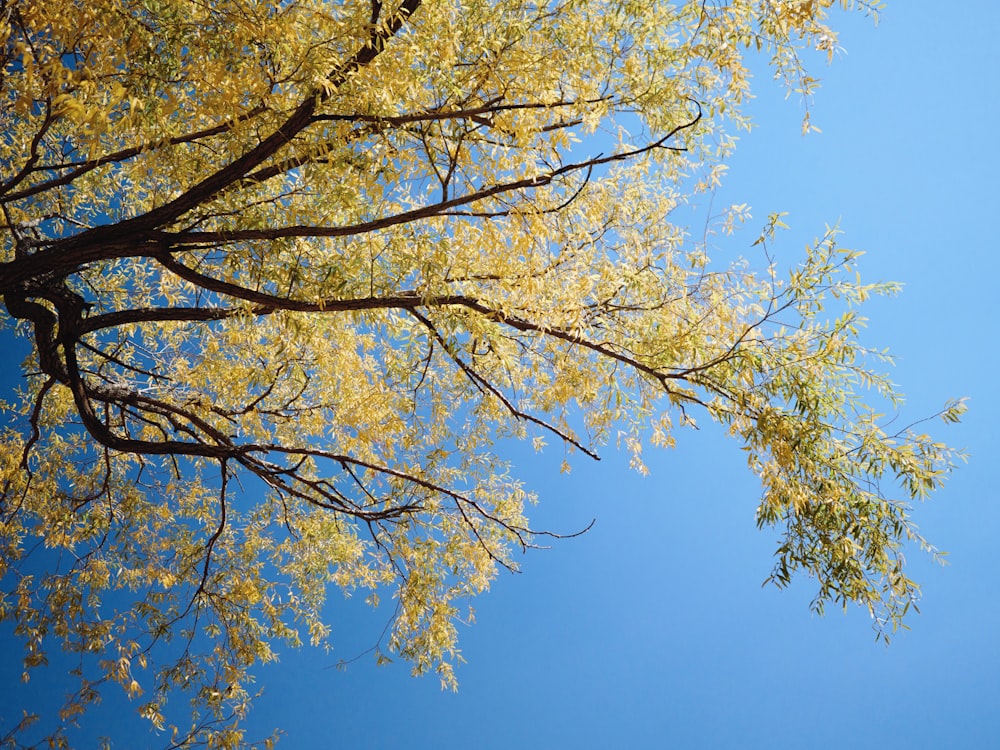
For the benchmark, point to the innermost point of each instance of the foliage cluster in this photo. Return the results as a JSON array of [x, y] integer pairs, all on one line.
[[335, 251]]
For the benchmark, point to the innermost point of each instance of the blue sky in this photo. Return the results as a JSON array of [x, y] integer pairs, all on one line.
[[653, 630]]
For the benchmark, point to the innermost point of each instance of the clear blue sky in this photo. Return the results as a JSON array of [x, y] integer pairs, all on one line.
[[652, 630]]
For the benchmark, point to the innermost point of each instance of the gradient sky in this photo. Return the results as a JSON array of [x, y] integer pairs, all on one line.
[[653, 630]]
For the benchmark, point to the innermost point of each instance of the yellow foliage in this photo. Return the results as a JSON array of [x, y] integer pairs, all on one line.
[[292, 269]]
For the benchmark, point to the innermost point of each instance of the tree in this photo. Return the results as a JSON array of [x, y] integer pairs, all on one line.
[[334, 253]]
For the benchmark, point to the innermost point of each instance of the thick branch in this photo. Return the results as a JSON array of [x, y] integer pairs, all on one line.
[[133, 237]]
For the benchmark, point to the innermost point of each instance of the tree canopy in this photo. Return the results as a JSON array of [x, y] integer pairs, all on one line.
[[291, 270]]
